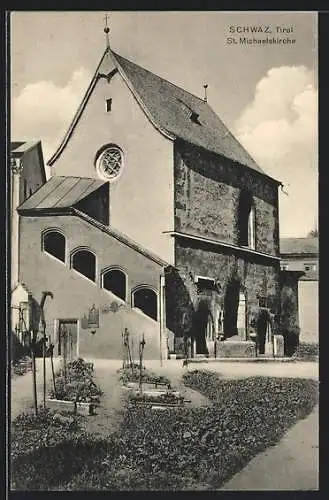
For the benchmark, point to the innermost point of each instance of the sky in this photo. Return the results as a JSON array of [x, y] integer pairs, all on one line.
[[267, 95]]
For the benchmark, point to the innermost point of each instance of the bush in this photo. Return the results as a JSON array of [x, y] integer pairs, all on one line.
[[21, 366], [18, 350], [291, 340], [307, 351]]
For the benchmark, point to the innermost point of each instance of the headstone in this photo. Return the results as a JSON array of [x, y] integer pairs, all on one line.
[[268, 349], [279, 346]]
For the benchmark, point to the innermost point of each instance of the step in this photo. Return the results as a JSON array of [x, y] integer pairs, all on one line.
[[242, 360]]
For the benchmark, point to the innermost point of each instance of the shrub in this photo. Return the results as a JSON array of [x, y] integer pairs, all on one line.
[[21, 366], [18, 350], [291, 340], [308, 351]]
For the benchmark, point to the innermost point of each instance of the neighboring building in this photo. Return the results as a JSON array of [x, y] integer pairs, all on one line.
[[27, 175], [155, 219], [302, 254]]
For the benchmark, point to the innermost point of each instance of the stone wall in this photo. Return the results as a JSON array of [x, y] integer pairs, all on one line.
[[256, 275], [207, 191]]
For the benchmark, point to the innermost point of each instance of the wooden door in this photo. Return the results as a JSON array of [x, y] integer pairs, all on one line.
[[67, 338]]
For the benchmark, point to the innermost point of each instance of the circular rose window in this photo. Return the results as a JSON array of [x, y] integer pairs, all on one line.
[[109, 163]]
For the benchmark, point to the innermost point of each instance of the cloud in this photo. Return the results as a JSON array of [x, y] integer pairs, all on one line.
[[44, 110], [279, 129]]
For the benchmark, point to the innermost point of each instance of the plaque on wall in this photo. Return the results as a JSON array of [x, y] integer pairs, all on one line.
[[93, 317], [84, 322]]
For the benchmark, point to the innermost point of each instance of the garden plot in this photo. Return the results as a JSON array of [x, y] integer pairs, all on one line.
[[74, 389], [147, 389], [177, 449]]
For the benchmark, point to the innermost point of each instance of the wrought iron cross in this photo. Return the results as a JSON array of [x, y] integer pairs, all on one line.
[[107, 30]]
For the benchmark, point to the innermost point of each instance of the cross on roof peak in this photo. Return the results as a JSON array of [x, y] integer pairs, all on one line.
[[107, 29]]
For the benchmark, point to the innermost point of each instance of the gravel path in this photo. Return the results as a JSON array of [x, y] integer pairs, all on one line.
[[108, 414]]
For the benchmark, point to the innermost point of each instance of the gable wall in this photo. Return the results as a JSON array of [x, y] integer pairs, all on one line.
[[144, 190]]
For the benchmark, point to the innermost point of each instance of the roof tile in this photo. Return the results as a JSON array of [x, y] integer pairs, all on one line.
[[171, 108], [299, 245]]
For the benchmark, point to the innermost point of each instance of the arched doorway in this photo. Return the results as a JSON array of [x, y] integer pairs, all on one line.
[[200, 327]]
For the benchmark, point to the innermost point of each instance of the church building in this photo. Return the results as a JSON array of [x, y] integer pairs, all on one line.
[[155, 219]]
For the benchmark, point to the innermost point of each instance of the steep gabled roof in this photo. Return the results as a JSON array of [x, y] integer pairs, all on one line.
[[299, 246], [61, 192], [173, 111], [184, 115]]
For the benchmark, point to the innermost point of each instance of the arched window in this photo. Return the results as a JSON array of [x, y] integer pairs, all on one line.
[[246, 221], [251, 228], [146, 300], [114, 280], [53, 242], [84, 262]]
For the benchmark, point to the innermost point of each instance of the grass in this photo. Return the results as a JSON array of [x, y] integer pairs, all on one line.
[[172, 449]]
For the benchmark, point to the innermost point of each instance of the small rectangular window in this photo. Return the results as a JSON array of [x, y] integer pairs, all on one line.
[[311, 266], [25, 189], [108, 105]]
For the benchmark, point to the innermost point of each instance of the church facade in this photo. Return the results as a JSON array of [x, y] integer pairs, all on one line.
[[155, 219]]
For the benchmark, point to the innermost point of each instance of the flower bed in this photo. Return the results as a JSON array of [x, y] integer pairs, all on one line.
[[148, 377], [150, 397], [78, 385]]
